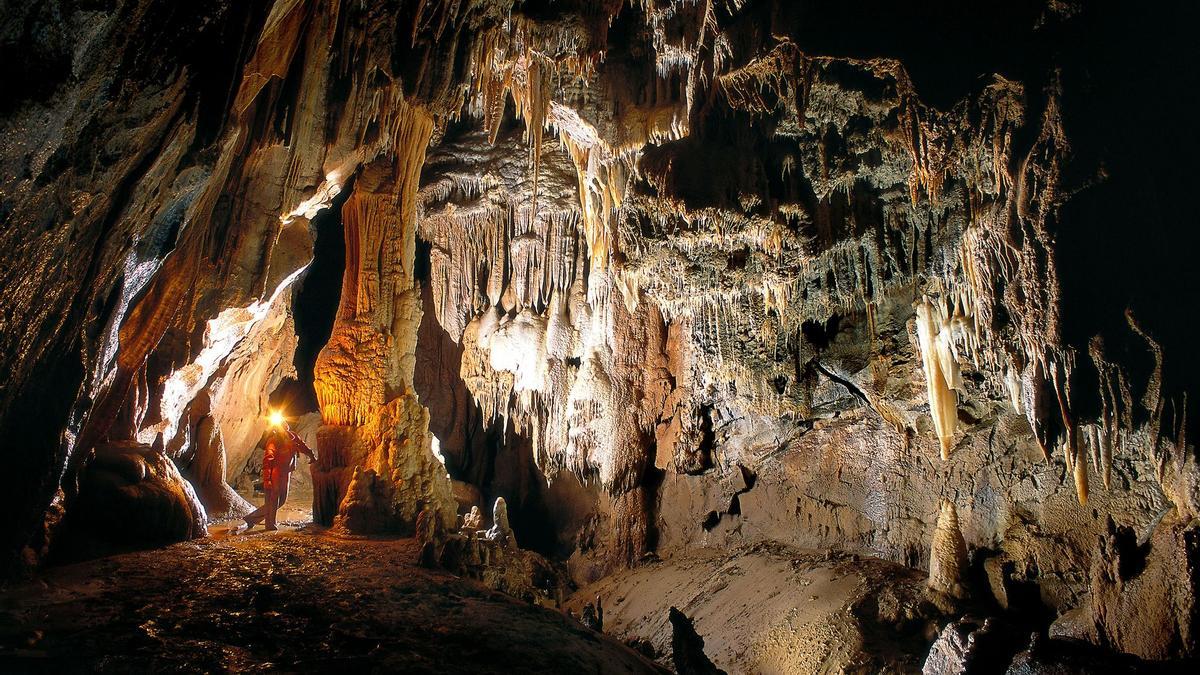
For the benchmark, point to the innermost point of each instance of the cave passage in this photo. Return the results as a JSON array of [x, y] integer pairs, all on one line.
[[314, 306]]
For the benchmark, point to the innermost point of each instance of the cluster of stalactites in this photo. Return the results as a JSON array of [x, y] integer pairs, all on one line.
[[567, 375], [1027, 359], [1016, 280], [521, 61], [688, 41], [507, 64], [511, 285], [935, 333], [761, 84], [604, 171], [799, 285], [738, 340], [942, 146], [547, 373], [949, 334], [952, 325], [495, 253], [529, 62], [1036, 385], [744, 321]]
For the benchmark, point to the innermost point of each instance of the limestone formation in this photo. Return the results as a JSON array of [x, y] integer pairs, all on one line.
[[473, 521], [592, 615], [1128, 577], [948, 553], [500, 531], [130, 494], [209, 474], [960, 648], [650, 277], [687, 647]]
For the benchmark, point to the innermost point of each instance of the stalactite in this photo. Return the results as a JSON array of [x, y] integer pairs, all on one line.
[[941, 372], [1076, 463], [601, 179], [759, 85]]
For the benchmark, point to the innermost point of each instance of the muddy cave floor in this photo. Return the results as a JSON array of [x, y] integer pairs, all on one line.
[[305, 599]]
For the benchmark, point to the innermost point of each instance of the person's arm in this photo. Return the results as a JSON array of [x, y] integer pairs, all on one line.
[[302, 448]]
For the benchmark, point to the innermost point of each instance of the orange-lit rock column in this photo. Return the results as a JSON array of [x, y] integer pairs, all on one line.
[[377, 471]]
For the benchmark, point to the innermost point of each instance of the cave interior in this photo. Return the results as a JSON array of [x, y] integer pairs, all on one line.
[[694, 336]]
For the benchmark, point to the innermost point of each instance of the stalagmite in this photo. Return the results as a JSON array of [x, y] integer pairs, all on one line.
[[473, 520], [501, 531], [947, 553]]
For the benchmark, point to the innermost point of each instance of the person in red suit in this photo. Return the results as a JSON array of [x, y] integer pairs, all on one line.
[[280, 452]]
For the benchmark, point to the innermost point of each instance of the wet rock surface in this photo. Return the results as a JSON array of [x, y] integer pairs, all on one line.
[[291, 601]]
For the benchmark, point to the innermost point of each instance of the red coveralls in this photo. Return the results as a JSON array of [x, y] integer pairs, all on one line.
[[279, 461]]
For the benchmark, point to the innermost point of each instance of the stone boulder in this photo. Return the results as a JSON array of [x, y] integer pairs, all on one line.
[[130, 495]]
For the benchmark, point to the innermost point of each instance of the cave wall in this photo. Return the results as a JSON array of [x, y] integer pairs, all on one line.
[[698, 273], [103, 171]]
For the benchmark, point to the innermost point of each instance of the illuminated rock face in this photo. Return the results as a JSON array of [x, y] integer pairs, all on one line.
[[693, 273]]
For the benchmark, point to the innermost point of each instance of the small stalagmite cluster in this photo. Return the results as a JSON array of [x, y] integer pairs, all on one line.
[[905, 281]]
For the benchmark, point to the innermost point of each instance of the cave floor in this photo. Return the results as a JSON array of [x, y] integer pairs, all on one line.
[[772, 608], [296, 512], [296, 600]]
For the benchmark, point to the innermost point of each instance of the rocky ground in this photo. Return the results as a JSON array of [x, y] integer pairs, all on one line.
[[770, 608], [296, 600]]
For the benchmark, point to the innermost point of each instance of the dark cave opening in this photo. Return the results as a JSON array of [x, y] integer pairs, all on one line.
[[511, 474], [703, 457], [821, 335], [314, 305]]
